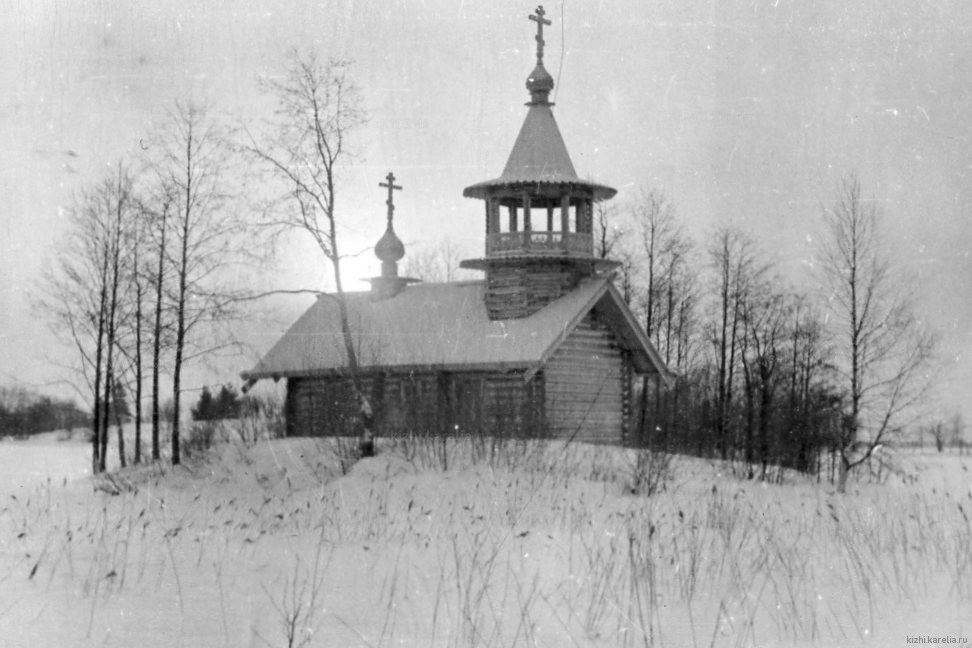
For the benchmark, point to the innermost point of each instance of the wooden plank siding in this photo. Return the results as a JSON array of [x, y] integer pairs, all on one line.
[[433, 402], [585, 386]]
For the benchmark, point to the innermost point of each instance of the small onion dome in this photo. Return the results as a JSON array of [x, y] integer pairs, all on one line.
[[539, 83], [389, 247]]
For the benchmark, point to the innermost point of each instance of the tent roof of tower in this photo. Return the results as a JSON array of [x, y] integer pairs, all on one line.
[[540, 157]]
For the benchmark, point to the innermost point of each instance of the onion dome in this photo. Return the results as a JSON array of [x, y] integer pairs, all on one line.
[[389, 248], [390, 251], [539, 83], [539, 161]]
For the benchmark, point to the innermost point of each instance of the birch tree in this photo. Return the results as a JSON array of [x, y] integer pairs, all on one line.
[[305, 147], [83, 295], [158, 211], [130, 336], [202, 239], [886, 353]]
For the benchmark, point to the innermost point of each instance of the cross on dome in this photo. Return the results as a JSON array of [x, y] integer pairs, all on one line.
[[538, 17], [391, 197], [390, 248], [539, 83]]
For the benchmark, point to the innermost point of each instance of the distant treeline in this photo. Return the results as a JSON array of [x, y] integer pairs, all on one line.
[[23, 412]]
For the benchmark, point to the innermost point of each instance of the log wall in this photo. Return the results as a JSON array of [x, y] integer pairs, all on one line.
[[419, 403], [584, 384], [518, 291]]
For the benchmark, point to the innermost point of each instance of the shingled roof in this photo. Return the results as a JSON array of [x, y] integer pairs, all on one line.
[[539, 153], [445, 326], [539, 156]]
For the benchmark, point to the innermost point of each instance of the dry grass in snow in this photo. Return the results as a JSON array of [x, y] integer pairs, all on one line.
[[476, 544]]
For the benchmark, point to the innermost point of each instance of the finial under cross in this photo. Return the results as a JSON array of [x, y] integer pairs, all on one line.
[[391, 188], [538, 17]]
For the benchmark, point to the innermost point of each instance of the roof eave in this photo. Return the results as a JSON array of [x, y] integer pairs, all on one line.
[[416, 368], [646, 346], [574, 321], [483, 190]]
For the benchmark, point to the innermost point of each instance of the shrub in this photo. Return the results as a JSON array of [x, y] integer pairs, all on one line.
[[652, 470], [261, 417], [202, 436]]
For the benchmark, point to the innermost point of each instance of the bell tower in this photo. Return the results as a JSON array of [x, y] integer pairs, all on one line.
[[539, 213]]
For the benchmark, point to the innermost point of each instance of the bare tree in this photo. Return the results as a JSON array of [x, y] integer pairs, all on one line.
[[607, 232], [766, 316], [609, 242], [437, 262], [627, 271], [887, 354], [138, 280], [118, 204], [318, 110], [732, 256], [83, 293], [159, 215], [129, 339], [675, 283], [682, 348], [73, 299], [201, 238], [957, 432], [811, 401], [938, 433], [654, 217]]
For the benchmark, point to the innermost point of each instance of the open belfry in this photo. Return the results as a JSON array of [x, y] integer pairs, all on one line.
[[539, 214], [544, 346]]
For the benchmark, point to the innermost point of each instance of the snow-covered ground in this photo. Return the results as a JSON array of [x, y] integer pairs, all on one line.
[[25, 463], [467, 545]]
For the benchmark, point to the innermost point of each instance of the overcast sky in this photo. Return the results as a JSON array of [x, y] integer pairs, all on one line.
[[746, 112]]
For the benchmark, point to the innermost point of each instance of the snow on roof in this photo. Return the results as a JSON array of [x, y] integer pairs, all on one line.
[[539, 153], [539, 156], [443, 325]]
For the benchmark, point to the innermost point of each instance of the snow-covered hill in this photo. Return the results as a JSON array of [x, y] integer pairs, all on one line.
[[471, 544]]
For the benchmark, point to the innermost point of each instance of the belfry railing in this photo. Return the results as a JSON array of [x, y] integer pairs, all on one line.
[[542, 243]]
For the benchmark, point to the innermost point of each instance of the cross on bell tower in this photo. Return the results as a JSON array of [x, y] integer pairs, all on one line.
[[539, 83], [538, 17], [539, 213]]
